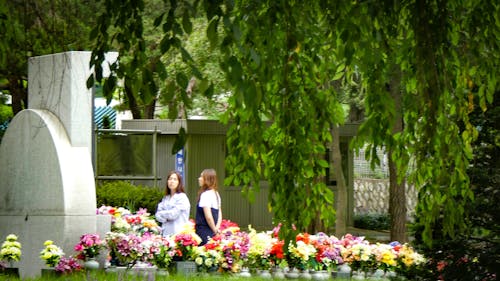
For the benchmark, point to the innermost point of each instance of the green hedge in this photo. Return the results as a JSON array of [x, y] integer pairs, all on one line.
[[372, 221], [127, 195]]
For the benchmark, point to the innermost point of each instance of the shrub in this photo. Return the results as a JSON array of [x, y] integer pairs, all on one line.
[[125, 194], [372, 221]]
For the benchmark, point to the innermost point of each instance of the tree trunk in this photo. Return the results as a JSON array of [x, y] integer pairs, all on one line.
[[341, 202], [397, 204], [149, 111], [132, 103], [18, 94], [397, 192]]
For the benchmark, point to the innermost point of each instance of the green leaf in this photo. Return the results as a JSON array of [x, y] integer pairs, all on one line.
[[180, 141], [165, 44], [158, 20], [181, 80], [212, 31], [90, 82], [323, 163], [186, 22]]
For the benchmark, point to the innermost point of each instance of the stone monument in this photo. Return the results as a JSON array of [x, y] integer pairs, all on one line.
[[47, 188]]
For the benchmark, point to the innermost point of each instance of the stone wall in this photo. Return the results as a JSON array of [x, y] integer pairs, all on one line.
[[372, 196]]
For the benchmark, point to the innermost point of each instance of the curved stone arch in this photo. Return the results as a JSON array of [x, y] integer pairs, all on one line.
[[43, 170]]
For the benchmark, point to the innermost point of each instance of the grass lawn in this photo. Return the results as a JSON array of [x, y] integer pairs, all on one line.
[[101, 275]]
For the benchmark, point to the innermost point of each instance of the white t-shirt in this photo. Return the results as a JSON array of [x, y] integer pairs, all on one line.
[[209, 198]]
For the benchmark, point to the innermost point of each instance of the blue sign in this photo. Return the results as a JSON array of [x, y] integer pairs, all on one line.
[[179, 163]]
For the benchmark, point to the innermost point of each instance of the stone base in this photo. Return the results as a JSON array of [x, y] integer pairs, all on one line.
[[186, 267], [9, 271]]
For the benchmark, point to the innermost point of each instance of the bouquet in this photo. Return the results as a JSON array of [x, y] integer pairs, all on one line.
[[89, 246], [302, 252], [407, 259], [68, 265], [141, 222], [260, 245], [207, 260], [227, 225], [233, 248], [122, 220], [11, 249], [185, 244], [124, 248], [51, 254], [358, 253], [385, 255], [276, 254], [161, 249], [328, 252], [118, 222]]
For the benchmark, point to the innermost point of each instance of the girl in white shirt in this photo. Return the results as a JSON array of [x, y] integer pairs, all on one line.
[[208, 209], [173, 210]]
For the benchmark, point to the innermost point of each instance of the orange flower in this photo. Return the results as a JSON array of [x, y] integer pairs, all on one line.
[[303, 237]]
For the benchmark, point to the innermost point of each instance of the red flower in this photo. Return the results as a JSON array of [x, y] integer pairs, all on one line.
[[441, 265], [303, 237], [277, 249]]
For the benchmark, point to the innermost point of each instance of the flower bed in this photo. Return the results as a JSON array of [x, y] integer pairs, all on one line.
[[135, 241]]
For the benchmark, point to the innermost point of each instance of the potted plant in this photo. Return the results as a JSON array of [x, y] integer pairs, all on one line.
[[185, 251], [51, 255], [88, 249], [9, 253], [68, 265]]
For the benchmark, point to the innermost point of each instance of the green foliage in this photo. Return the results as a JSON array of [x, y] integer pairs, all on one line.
[[34, 28], [284, 61], [5, 117], [125, 194], [372, 221], [278, 74], [473, 254]]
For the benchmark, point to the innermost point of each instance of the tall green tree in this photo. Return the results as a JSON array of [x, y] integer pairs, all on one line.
[[280, 58], [431, 45], [38, 27]]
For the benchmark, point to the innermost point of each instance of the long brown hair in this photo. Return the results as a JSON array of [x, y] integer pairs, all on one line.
[[209, 181], [180, 187]]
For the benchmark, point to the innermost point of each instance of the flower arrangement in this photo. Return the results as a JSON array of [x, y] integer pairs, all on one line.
[[68, 265], [233, 247], [125, 249], [124, 221], [301, 252], [207, 260], [11, 249], [227, 225], [259, 249], [51, 254], [185, 244], [328, 252], [385, 256], [141, 222], [161, 251], [358, 253], [407, 259], [89, 246], [134, 239]]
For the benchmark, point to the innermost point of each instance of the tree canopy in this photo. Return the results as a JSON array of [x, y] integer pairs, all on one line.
[[285, 65], [282, 60], [38, 27]]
